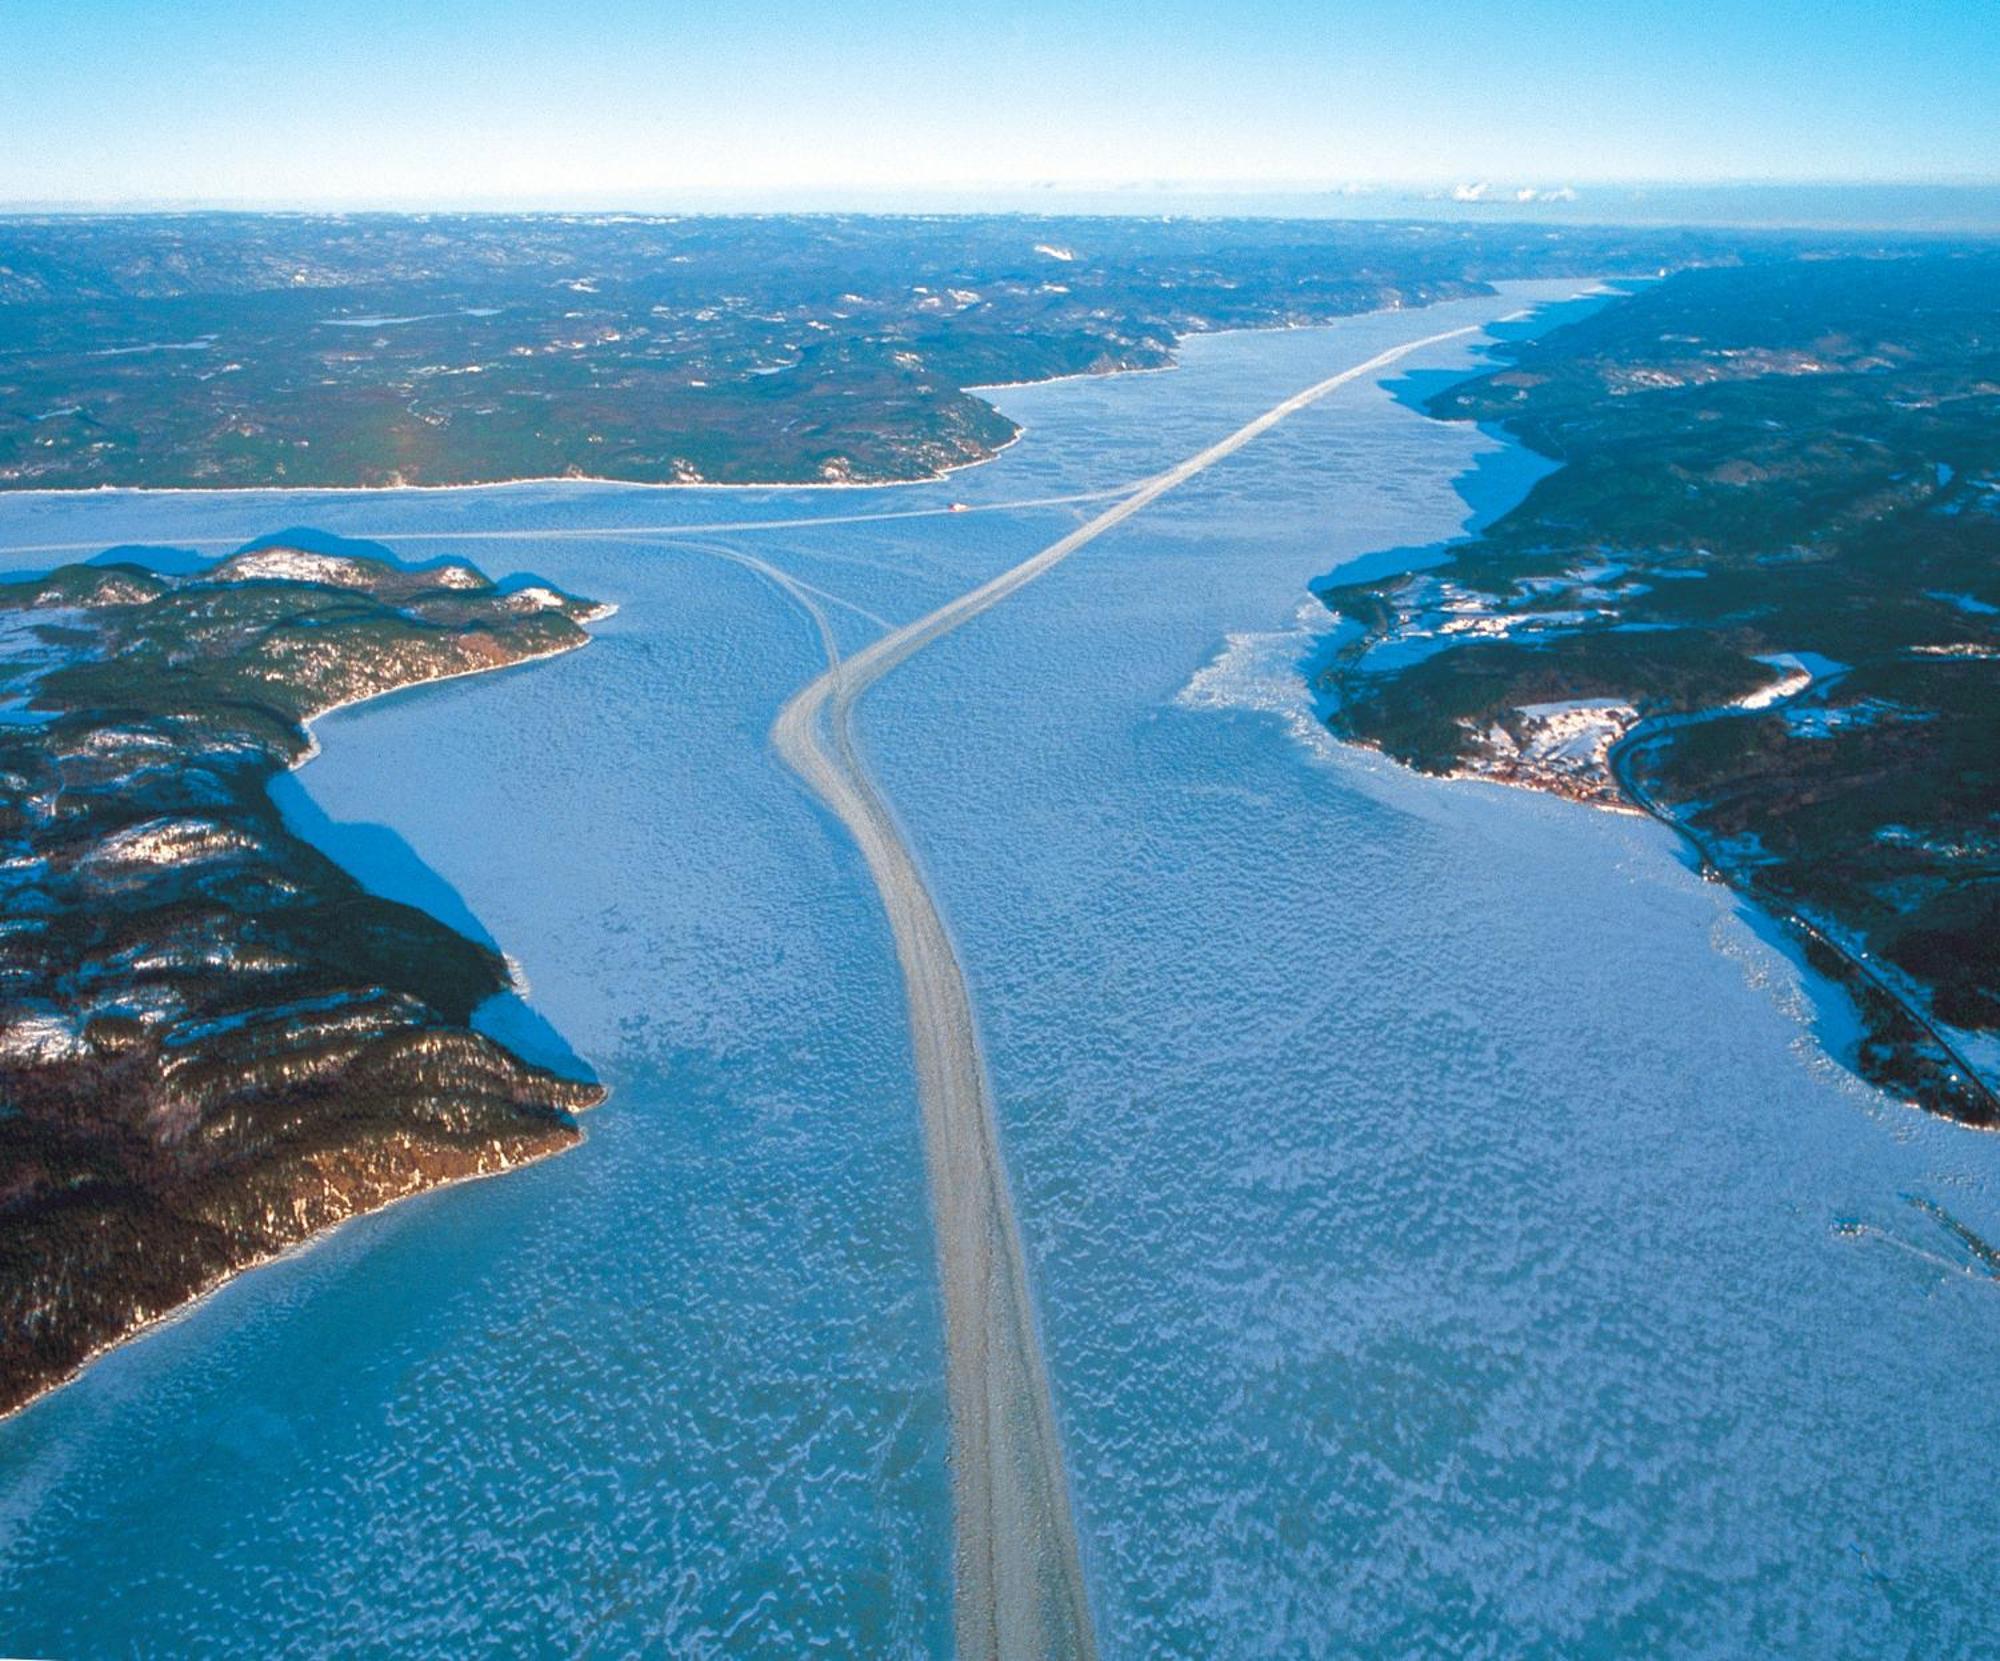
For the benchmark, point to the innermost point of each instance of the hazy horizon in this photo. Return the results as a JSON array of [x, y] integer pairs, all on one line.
[[1860, 206], [522, 103]]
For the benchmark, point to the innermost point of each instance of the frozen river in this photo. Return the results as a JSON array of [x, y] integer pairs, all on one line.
[[1447, 1229]]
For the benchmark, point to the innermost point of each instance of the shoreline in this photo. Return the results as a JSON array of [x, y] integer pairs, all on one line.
[[1847, 966], [508, 1163], [1815, 947], [939, 476], [1846, 969], [309, 723], [588, 480], [297, 1248], [1510, 781]]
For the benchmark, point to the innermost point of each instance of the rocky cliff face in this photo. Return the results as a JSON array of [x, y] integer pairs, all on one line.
[[213, 1042]]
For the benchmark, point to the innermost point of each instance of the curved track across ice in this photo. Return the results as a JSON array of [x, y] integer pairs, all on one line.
[[1020, 1588]]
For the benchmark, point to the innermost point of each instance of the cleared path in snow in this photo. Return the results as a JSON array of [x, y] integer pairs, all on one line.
[[1019, 1576]]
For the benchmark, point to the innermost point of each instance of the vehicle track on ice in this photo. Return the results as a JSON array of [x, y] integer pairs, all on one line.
[[1019, 1586]]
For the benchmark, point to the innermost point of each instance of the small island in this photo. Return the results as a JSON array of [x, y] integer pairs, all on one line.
[[1760, 600], [214, 1043]]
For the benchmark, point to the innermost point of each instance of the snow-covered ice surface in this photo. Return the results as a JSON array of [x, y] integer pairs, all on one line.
[[1449, 1233]]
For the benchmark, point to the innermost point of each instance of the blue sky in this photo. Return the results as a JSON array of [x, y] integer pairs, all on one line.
[[408, 101]]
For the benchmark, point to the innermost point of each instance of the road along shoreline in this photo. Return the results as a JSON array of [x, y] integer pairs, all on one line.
[[1019, 1588]]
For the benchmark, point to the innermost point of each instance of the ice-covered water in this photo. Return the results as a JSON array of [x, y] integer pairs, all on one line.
[[1449, 1232]]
